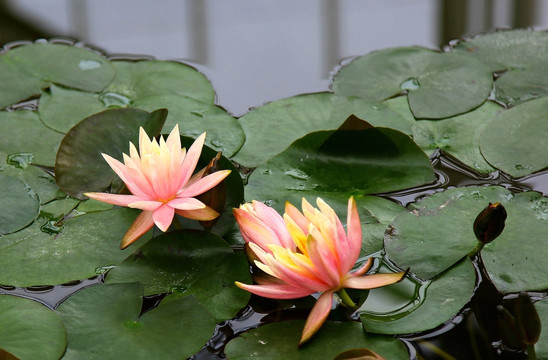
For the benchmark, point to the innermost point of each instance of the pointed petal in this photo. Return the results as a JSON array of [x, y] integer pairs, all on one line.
[[254, 230], [296, 216], [354, 229], [204, 184], [323, 258], [364, 268], [317, 316], [186, 204], [191, 159], [115, 199], [146, 205], [174, 139], [274, 291], [163, 216], [141, 225], [297, 234], [205, 214], [275, 222], [373, 281]]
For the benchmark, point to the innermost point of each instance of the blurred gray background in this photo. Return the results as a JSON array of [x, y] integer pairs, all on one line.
[[255, 51]]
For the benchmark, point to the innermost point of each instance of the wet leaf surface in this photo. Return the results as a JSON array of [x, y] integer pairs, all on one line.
[[19, 204]]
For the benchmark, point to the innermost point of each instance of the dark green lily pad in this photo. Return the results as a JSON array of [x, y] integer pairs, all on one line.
[[25, 70], [79, 166], [29, 330], [280, 340], [437, 231], [541, 347], [19, 204], [336, 165], [189, 262], [519, 85], [273, 127], [175, 330], [457, 136], [80, 249], [23, 133], [439, 85], [514, 141], [224, 132], [436, 302], [513, 49], [139, 79]]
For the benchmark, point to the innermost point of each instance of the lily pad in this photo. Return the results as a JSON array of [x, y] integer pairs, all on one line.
[[299, 115], [457, 136], [514, 141], [41, 182], [77, 249], [503, 50], [432, 303], [19, 204], [29, 330], [79, 166], [438, 230], [224, 132], [23, 133], [541, 347], [25, 70], [139, 79], [280, 340], [519, 85], [189, 262], [175, 330], [439, 85], [336, 165]]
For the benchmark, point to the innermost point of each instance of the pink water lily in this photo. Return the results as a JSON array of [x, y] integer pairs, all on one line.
[[305, 253], [159, 177]]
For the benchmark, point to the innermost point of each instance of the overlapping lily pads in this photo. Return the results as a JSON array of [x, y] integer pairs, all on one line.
[[22, 203], [29, 330], [280, 340], [439, 85], [175, 330], [187, 263]]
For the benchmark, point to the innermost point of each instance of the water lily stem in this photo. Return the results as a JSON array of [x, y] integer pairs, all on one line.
[[346, 300], [531, 354], [476, 250]]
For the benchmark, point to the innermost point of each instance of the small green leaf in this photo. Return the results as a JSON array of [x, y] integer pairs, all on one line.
[[19, 204]]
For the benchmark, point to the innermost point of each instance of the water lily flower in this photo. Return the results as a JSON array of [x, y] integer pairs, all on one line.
[[305, 253], [159, 177]]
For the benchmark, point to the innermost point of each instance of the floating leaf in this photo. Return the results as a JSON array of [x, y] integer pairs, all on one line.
[[439, 85], [25, 70], [282, 338], [175, 330], [83, 244], [432, 303], [29, 330], [18, 203], [541, 347], [514, 140], [79, 166], [187, 263], [41, 182], [519, 85], [23, 133], [297, 116]]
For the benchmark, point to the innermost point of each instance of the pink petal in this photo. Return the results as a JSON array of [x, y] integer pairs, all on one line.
[[354, 229], [323, 258], [186, 204], [115, 199], [297, 217], [275, 291], [204, 214], [141, 225], [373, 281], [363, 269], [191, 158], [317, 316], [275, 222], [299, 277], [146, 205], [163, 216], [254, 230], [204, 184]]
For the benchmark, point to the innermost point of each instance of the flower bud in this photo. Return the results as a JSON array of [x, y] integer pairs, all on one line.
[[215, 197], [490, 222], [527, 320]]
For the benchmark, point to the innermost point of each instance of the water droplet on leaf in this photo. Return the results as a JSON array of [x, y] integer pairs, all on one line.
[[410, 84], [111, 99], [88, 65], [296, 174], [20, 160]]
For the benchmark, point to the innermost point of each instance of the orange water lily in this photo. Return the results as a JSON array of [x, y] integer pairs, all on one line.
[[305, 253], [159, 177]]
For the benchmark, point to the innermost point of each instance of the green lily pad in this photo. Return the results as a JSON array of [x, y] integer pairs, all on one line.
[[438, 230], [519, 85], [189, 262], [41, 182], [19, 204], [514, 141], [439, 85], [431, 303], [23, 133], [457, 136], [299, 115], [139, 79], [280, 340], [541, 347], [79, 166], [224, 132], [175, 330], [29, 330], [77, 248], [502, 50], [336, 165], [25, 70]]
